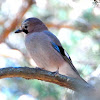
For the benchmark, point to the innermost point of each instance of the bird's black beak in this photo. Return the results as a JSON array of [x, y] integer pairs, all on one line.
[[18, 31]]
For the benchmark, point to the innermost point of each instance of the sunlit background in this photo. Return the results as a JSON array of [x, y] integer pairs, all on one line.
[[77, 25]]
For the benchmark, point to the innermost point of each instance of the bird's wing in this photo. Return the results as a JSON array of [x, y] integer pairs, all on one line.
[[64, 54]]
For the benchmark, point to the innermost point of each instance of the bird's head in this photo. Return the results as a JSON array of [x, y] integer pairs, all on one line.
[[31, 25]]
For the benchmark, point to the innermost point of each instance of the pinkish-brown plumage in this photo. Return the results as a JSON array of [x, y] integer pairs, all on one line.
[[45, 49]]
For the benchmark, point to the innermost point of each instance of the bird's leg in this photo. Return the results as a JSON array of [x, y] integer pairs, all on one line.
[[56, 72]]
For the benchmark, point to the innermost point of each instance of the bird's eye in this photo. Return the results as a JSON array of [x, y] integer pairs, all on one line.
[[25, 26]]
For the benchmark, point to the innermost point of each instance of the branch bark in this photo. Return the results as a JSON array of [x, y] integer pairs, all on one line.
[[40, 74], [84, 91]]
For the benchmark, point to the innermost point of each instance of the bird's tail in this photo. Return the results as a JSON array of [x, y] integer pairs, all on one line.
[[69, 70]]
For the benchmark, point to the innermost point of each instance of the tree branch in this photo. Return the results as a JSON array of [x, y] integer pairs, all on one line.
[[23, 9], [40, 74]]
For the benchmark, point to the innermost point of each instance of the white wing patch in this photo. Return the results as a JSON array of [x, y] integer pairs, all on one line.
[[66, 54]]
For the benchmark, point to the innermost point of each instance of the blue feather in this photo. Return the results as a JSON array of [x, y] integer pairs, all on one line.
[[55, 47]]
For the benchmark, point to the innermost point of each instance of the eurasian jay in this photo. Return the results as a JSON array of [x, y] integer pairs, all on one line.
[[45, 48]]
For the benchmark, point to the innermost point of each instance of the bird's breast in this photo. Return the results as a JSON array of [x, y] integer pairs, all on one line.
[[36, 42], [42, 52]]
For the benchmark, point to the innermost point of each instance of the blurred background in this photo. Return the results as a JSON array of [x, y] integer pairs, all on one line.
[[77, 25]]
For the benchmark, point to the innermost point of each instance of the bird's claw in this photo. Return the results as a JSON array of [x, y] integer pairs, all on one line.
[[38, 68], [56, 73]]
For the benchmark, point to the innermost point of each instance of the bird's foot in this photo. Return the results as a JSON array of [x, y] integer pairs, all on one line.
[[56, 73], [38, 68]]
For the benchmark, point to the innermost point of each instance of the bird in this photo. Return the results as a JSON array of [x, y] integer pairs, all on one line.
[[45, 48]]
